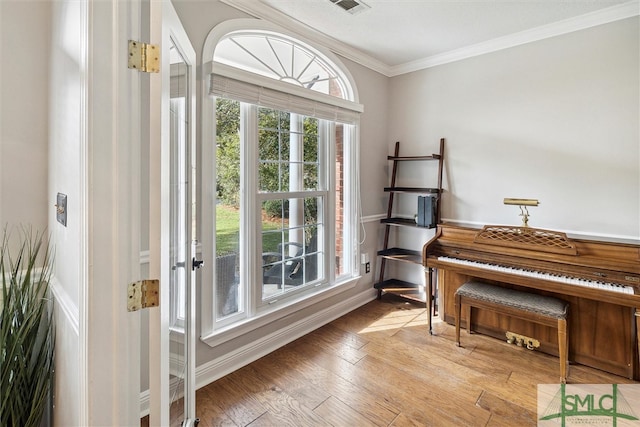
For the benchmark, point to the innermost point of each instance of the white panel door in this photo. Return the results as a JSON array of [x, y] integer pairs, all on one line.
[[172, 328]]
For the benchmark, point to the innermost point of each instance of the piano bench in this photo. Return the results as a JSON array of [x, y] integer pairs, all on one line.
[[535, 308]]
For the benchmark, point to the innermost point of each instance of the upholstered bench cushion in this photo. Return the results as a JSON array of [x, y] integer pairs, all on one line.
[[534, 303]]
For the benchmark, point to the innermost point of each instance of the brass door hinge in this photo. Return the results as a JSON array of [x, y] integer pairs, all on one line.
[[143, 294], [144, 57]]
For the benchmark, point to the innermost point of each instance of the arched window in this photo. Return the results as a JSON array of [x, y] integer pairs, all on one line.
[[283, 58], [280, 122]]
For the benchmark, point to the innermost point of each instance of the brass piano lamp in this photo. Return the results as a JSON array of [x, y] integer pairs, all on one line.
[[523, 203]]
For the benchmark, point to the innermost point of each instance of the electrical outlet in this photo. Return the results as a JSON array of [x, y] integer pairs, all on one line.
[[367, 267], [364, 258]]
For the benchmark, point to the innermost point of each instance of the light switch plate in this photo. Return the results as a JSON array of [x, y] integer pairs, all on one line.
[[61, 209]]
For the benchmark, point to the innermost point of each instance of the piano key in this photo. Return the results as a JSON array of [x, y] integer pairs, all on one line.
[[613, 287]]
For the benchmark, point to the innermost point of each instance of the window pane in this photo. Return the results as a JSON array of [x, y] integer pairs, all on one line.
[[290, 252], [227, 248], [228, 207], [311, 176], [226, 284], [285, 177], [268, 144], [312, 205], [268, 118], [285, 145], [310, 147], [340, 198], [178, 200], [284, 121], [282, 58], [310, 126], [268, 176], [293, 140]]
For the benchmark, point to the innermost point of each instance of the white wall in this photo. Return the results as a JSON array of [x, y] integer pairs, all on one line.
[[67, 140], [24, 99], [556, 120], [94, 146], [36, 52]]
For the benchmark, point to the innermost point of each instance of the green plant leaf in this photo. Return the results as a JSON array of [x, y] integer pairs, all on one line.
[[26, 329]]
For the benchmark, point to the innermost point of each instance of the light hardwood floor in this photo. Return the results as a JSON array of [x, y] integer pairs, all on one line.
[[378, 366]]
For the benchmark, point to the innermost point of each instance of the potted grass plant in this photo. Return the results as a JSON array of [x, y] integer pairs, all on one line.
[[26, 329]]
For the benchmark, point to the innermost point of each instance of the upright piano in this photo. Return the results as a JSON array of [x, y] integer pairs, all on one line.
[[599, 279]]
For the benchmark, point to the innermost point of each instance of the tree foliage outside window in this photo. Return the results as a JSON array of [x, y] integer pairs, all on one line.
[[273, 152], [228, 152]]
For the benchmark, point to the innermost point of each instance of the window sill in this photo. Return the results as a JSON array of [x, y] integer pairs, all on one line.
[[176, 334], [215, 338]]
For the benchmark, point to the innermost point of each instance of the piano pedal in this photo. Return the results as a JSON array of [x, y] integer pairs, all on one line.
[[522, 341]]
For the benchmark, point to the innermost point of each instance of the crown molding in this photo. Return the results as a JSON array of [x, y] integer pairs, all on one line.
[[593, 19]]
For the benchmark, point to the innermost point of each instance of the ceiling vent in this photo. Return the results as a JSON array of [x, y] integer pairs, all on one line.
[[351, 6]]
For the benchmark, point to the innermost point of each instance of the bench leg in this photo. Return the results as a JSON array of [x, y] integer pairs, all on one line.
[[429, 296], [458, 309], [563, 340], [637, 316], [468, 314]]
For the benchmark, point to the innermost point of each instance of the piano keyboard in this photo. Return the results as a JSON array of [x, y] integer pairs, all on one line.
[[613, 287]]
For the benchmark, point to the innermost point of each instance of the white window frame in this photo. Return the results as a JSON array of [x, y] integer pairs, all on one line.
[[326, 182], [256, 313]]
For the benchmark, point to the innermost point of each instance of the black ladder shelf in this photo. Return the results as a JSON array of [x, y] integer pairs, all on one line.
[[404, 289]]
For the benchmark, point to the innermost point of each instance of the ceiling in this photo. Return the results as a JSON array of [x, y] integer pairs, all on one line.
[[398, 36]]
